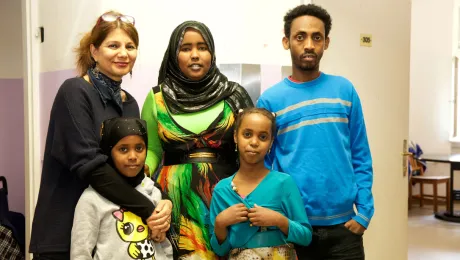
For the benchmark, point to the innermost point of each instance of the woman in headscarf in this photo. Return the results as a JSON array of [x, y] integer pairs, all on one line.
[[190, 117]]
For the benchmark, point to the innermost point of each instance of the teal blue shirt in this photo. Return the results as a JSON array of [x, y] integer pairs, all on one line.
[[278, 192]]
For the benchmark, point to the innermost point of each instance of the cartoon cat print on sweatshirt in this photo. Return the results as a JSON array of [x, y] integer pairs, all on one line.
[[131, 229]]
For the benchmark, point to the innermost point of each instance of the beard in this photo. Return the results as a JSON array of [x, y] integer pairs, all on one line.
[[306, 65]]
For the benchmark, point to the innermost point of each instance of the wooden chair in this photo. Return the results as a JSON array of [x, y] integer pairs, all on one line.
[[417, 170]]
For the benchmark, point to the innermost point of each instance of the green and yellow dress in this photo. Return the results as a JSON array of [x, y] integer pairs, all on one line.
[[196, 150]]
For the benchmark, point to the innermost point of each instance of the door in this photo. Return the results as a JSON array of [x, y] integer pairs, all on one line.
[[31, 41], [380, 74]]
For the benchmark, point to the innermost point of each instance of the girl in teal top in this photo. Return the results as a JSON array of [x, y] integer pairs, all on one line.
[[257, 213]]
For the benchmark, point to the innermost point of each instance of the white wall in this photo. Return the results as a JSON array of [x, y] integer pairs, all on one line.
[[432, 37], [244, 31], [10, 44], [380, 75], [251, 32], [431, 74]]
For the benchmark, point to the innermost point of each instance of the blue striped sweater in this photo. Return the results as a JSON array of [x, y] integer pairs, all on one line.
[[321, 142]]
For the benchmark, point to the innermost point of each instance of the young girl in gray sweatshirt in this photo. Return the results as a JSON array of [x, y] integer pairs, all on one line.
[[103, 230]]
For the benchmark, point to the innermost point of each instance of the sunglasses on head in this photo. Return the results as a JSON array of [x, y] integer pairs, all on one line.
[[111, 17]]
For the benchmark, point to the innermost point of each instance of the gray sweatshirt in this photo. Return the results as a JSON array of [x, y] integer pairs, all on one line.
[[113, 233]]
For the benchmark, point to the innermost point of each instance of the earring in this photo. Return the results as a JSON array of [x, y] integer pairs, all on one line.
[[95, 69], [236, 147]]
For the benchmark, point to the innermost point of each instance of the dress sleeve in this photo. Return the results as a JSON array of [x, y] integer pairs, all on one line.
[[154, 149], [217, 206]]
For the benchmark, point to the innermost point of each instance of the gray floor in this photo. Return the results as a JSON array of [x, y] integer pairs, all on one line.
[[430, 238]]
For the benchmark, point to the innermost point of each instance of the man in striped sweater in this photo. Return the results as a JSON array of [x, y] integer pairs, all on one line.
[[321, 140]]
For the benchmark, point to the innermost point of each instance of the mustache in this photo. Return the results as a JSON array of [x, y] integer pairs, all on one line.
[[308, 54]]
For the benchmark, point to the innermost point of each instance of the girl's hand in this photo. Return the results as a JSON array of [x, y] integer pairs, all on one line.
[[232, 215], [263, 217]]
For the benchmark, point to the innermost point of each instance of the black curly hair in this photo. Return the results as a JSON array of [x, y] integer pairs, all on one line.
[[311, 10]]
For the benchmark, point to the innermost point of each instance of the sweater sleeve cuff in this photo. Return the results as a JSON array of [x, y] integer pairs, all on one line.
[[290, 236], [220, 249], [361, 219]]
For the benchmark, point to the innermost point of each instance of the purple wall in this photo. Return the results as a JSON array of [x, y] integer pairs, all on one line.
[[49, 85], [12, 141]]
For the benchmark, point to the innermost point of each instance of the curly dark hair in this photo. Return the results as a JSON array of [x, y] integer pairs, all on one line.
[[311, 10]]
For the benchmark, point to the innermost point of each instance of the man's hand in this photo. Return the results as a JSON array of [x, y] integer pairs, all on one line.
[[355, 227]]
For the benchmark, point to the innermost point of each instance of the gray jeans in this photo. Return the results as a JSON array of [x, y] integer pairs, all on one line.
[[332, 243]]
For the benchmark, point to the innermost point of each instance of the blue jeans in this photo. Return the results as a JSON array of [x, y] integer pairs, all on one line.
[[332, 243]]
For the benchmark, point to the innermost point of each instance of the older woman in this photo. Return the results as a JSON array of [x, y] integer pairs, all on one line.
[[72, 157]]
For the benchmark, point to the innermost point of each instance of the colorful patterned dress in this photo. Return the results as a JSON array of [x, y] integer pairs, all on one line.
[[191, 184]]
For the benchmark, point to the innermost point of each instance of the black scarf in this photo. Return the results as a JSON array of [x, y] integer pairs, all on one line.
[[183, 95], [109, 89], [115, 129]]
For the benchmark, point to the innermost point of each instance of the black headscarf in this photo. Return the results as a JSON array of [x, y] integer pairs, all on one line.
[[183, 95], [115, 129]]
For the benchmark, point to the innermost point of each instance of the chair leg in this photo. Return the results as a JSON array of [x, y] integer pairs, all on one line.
[[410, 195], [448, 198], [435, 196], [421, 194]]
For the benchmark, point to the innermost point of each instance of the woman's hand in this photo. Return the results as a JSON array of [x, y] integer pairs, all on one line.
[[158, 238], [146, 170], [160, 219]]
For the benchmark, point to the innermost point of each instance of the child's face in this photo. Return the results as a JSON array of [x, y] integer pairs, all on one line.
[[254, 138], [129, 155]]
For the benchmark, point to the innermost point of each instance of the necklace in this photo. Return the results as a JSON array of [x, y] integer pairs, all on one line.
[[234, 188]]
